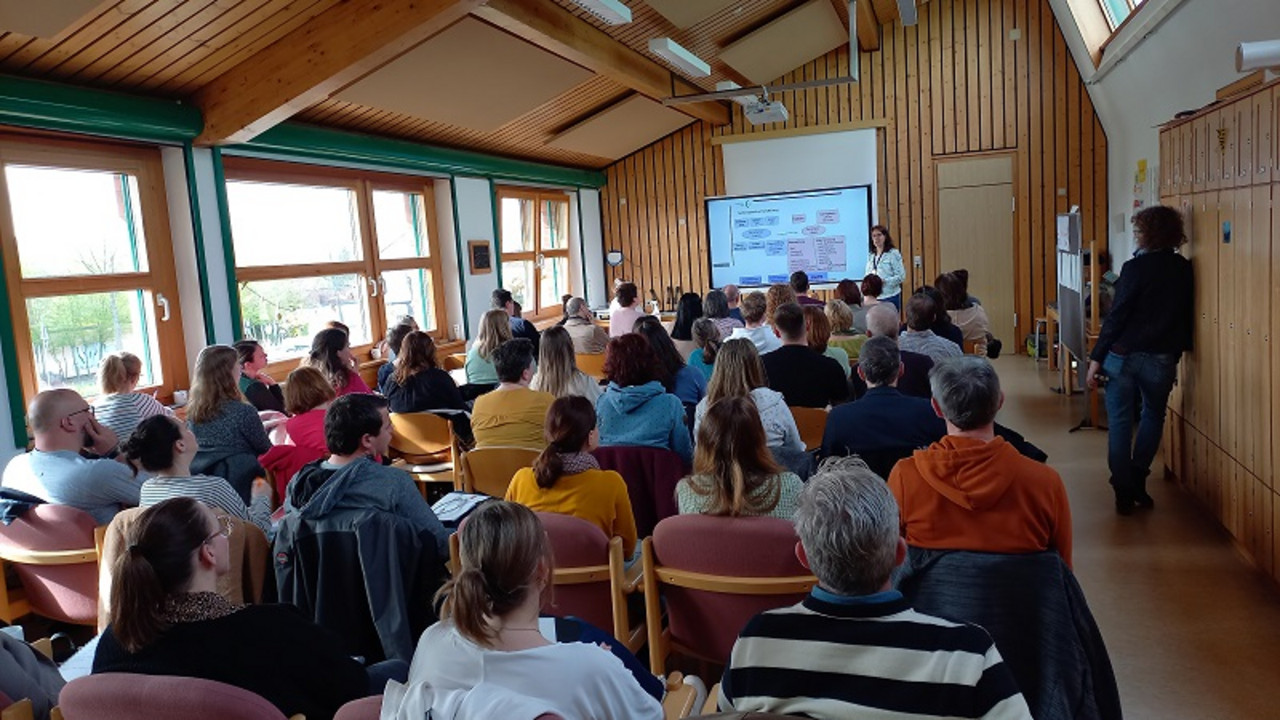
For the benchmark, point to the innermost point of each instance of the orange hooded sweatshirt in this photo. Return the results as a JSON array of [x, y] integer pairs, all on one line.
[[961, 493]]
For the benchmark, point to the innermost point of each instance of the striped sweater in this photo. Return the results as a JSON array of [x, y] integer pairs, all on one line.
[[874, 658], [123, 411]]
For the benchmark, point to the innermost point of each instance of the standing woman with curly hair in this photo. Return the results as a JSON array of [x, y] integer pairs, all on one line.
[[885, 262], [1142, 339], [331, 355], [566, 478]]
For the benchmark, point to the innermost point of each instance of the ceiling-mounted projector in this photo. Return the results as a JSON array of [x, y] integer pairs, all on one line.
[[762, 112], [609, 12]]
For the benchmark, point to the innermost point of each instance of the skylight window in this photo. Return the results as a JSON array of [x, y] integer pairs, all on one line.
[[1117, 10]]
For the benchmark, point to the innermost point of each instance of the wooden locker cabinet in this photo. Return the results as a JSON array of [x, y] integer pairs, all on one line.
[[1244, 144], [1167, 160], [1200, 146], [1187, 148], [1263, 136], [1229, 143]]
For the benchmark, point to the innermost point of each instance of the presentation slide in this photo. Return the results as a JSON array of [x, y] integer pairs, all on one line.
[[761, 239]]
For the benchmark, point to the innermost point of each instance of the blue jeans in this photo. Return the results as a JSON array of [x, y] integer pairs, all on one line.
[[1145, 376]]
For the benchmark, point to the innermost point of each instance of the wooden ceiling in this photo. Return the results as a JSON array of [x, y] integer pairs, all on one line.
[[249, 64]]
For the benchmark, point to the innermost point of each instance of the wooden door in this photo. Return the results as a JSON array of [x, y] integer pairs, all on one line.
[[975, 231]]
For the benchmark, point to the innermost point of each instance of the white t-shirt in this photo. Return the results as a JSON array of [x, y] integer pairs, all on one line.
[[581, 681]]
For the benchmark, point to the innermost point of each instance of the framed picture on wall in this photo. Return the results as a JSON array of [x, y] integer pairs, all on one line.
[[481, 259]]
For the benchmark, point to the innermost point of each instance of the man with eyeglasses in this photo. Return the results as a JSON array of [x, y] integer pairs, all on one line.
[[75, 459]]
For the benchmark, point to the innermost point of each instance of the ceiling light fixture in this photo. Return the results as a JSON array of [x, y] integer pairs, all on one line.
[[609, 12], [669, 50], [907, 12]]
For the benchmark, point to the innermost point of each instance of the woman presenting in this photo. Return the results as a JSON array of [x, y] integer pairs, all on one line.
[[1144, 335], [886, 262]]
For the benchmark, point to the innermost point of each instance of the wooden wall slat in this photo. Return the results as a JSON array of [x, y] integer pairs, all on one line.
[[955, 83]]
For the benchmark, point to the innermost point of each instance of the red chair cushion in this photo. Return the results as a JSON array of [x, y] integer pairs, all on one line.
[[127, 696], [576, 543], [62, 592]]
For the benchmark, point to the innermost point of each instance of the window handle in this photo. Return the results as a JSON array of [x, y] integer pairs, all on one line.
[[382, 284], [163, 302], [373, 286]]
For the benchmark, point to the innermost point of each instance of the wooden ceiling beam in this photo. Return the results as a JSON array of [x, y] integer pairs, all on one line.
[[868, 27], [321, 56], [559, 31], [886, 10]]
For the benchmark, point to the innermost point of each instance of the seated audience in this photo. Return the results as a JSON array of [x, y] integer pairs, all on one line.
[[706, 341], [622, 320], [685, 382], [733, 296], [871, 287], [588, 337], [390, 349], [558, 371], [817, 330], [512, 415], [490, 643], [739, 373], [259, 388], [165, 447], [776, 296], [883, 322], [420, 385], [842, 332], [942, 325], [494, 331], [63, 425], [716, 307], [635, 408], [230, 435], [307, 394], [566, 478], [847, 292], [168, 619], [733, 472], [799, 282], [804, 377], [968, 316], [331, 355], [972, 490], [357, 429], [854, 647], [395, 339], [761, 334], [119, 407], [882, 420], [921, 311], [520, 328], [688, 309]]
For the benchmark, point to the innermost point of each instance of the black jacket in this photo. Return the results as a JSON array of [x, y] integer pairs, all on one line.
[[1153, 309], [804, 377]]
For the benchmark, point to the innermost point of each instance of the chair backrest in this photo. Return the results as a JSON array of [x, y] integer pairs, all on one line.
[[1037, 614], [585, 578], [971, 347], [126, 696], [367, 708], [591, 363], [489, 470], [421, 437], [812, 423], [715, 574], [453, 361], [245, 583], [851, 344], [651, 475], [51, 548]]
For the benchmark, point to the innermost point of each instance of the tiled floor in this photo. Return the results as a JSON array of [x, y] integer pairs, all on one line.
[[1193, 630]]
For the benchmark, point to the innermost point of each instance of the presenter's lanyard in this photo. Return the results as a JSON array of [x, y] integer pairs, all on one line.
[[875, 263]]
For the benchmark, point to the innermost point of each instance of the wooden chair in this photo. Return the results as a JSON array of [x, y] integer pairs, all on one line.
[[117, 696], [53, 551], [706, 606], [812, 423], [20, 710], [454, 361], [972, 347], [591, 364], [424, 438], [680, 698], [489, 470]]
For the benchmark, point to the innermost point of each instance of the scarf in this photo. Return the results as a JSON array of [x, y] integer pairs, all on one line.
[[575, 463], [196, 607]]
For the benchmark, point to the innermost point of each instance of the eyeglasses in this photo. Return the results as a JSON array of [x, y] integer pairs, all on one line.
[[225, 526], [86, 409]]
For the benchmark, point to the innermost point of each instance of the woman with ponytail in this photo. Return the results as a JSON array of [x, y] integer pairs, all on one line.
[[490, 634], [706, 342], [566, 478], [119, 407], [733, 472], [168, 619]]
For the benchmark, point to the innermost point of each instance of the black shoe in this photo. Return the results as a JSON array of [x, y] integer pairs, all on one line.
[[1139, 491], [1125, 499]]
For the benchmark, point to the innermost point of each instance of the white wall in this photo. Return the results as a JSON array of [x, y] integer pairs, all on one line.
[[805, 162], [446, 241], [1171, 65], [596, 293], [183, 238], [475, 221]]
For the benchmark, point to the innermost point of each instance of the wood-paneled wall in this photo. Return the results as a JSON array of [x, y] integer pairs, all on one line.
[[955, 84], [1222, 435]]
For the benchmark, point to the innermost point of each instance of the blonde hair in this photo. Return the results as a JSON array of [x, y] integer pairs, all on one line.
[[119, 372], [737, 371], [840, 315], [213, 386], [305, 389], [495, 329], [557, 367]]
